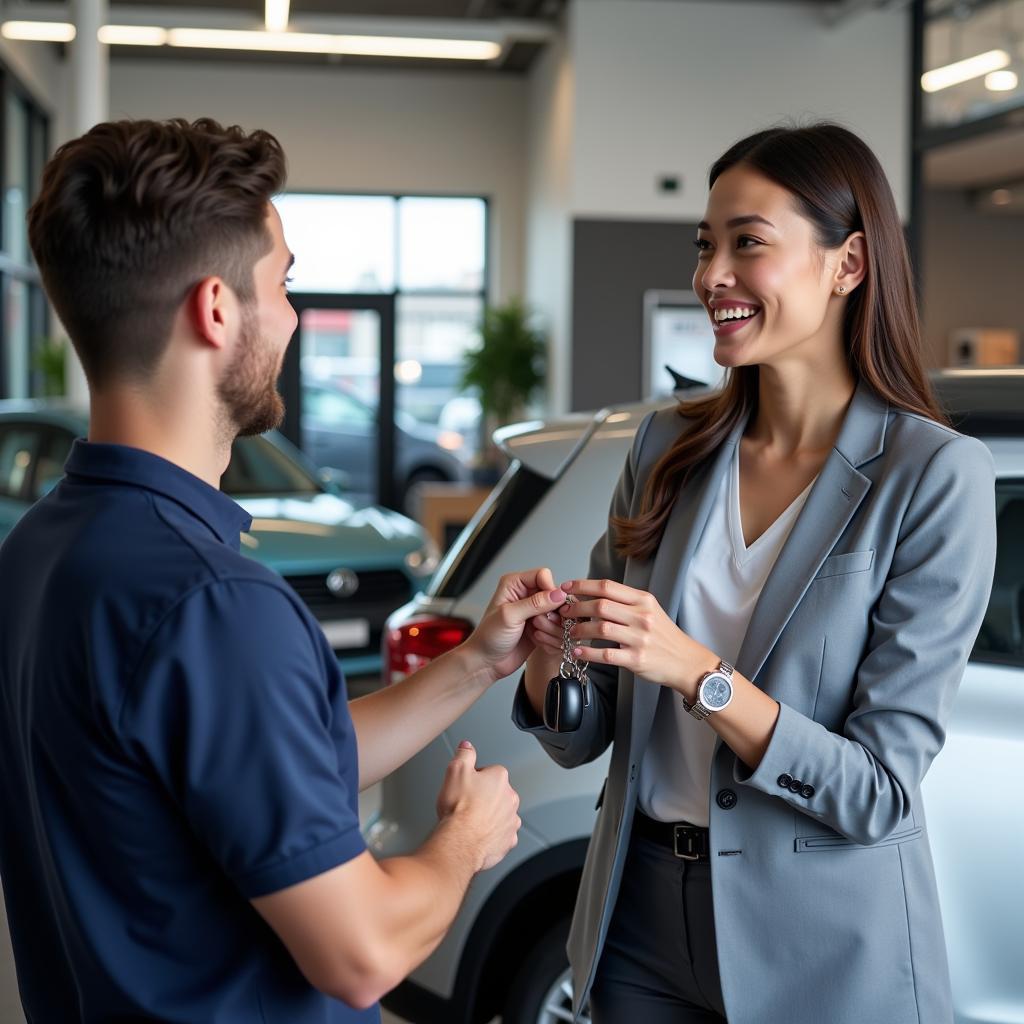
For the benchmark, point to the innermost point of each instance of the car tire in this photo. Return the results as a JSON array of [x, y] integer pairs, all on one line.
[[541, 991]]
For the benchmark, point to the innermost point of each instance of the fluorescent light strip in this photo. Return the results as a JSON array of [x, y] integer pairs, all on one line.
[[276, 15], [38, 31], [279, 42], [309, 42], [964, 70], [132, 35]]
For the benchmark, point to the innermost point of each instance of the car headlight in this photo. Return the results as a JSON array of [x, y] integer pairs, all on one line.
[[424, 560]]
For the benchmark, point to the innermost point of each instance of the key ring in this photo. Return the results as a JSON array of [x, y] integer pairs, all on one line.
[[571, 666]]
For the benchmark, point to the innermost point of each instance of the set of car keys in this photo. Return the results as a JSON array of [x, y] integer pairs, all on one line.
[[568, 693]]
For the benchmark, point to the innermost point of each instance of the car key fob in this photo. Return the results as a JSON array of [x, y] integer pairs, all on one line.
[[564, 701]]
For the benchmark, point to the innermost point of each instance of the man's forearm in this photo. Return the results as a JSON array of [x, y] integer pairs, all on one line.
[[398, 721], [426, 891]]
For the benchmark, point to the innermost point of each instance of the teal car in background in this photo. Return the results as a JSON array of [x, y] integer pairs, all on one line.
[[352, 566]]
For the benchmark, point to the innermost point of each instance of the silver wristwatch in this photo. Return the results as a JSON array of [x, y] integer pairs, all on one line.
[[714, 692]]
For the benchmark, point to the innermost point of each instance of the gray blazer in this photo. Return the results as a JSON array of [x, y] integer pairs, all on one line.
[[825, 900]]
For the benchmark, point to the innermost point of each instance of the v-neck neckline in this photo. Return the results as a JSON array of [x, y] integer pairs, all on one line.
[[742, 552]]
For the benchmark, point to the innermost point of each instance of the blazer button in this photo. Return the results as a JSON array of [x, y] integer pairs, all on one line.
[[795, 786], [726, 799], [632, 772], [784, 780], [807, 791]]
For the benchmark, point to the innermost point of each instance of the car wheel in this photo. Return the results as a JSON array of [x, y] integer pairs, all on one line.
[[541, 992]]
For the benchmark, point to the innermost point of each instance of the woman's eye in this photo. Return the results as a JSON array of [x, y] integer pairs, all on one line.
[[288, 281], [702, 244], [745, 241]]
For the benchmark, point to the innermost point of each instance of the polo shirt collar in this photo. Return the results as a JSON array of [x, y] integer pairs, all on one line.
[[125, 465]]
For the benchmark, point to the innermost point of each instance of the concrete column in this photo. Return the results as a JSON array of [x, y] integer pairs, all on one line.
[[90, 104]]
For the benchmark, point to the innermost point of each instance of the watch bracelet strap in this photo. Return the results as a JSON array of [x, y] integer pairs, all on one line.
[[697, 709]]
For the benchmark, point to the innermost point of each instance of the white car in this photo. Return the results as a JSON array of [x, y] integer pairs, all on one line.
[[505, 954]]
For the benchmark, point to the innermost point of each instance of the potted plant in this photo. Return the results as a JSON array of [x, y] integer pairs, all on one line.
[[505, 370], [49, 362]]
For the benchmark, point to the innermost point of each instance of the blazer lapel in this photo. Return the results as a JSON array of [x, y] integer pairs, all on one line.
[[831, 504], [683, 531]]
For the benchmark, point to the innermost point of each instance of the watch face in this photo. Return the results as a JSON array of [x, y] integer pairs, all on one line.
[[716, 691]]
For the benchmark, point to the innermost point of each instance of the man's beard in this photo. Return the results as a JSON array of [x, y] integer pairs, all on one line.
[[248, 389]]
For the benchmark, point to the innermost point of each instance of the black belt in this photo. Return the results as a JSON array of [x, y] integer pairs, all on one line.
[[687, 842]]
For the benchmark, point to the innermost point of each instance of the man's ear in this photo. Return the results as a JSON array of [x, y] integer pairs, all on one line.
[[211, 305]]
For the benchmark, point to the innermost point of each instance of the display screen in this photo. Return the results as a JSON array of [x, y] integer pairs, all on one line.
[[679, 335]]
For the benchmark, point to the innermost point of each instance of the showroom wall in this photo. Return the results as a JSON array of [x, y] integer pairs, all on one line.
[[666, 87], [365, 130], [956, 241]]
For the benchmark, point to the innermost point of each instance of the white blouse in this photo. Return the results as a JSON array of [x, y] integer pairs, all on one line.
[[722, 585]]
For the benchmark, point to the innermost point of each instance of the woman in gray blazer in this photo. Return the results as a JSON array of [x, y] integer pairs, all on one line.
[[761, 851]]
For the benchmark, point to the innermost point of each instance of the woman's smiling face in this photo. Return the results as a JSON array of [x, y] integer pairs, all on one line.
[[765, 282]]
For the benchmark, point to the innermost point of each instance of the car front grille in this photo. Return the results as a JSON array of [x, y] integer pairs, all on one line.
[[380, 592]]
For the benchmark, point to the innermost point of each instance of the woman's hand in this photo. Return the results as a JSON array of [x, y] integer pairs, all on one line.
[[650, 644], [501, 642]]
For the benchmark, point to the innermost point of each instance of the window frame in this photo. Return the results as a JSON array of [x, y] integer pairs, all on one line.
[[36, 147]]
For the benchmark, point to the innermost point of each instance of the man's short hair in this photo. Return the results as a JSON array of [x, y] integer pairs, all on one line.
[[132, 215]]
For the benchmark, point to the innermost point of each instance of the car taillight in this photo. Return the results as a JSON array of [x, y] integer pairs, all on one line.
[[419, 640]]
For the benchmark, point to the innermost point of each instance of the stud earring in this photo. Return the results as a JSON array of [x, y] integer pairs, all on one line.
[[841, 289]]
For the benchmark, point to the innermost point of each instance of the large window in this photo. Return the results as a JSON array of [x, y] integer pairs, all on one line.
[[24, 315], [429, 253]]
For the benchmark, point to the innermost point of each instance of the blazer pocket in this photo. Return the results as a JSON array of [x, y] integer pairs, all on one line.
[[821, 844], [852, 561]]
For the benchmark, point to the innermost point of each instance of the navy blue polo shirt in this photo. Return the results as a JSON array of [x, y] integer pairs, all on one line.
[[174, 741]]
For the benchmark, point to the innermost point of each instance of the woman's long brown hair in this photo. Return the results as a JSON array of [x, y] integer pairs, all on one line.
[[839, 186]]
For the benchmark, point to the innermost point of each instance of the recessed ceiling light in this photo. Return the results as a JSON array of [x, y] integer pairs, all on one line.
[[1001, 81], [1001, 197]]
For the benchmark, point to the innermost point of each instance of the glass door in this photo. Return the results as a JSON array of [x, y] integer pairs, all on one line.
[[340, 406]]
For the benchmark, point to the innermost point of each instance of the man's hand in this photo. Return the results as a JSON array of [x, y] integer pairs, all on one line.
[[500, 642], [483, 803]]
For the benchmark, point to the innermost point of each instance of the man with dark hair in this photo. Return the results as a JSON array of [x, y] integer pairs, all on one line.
[[179, 766]]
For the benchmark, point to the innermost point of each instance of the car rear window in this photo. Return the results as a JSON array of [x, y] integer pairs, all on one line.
[[514, 498], [1001, 638]]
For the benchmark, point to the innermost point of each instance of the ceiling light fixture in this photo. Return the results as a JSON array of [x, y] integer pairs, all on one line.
[[1001, 81], [276, 15], [1001, 197], [310, 42], [132, 35], [39, 31], [964, 70]]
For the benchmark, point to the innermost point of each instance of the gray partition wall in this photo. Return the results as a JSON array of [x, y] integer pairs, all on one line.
[[613, 263]]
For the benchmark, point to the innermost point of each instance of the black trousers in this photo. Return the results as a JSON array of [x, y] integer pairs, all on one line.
[[659, 964]]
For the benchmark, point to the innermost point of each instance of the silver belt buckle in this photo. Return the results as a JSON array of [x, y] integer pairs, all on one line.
[[688, 838]]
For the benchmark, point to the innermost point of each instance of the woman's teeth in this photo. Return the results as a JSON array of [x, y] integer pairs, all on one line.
[[734, 314]]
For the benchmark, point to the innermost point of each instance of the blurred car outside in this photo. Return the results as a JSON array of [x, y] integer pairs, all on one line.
[[339, 430], [351, 565]]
